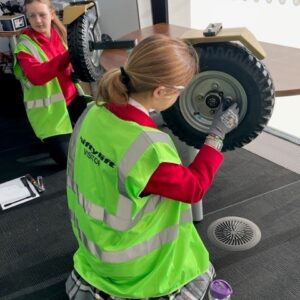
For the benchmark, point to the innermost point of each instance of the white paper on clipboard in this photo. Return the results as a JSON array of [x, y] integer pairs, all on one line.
[[14, 192]]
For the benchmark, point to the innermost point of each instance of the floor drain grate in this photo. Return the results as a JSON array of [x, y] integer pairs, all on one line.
[[234, 233]]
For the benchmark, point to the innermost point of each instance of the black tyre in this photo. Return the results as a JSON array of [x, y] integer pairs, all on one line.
[[228, 72], [86, 63]]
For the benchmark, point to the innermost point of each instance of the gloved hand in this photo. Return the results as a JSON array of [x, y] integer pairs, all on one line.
[[224, 120], [86, 98]]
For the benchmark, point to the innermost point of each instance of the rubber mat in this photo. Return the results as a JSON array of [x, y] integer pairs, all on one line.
[[270, 270], [37, 243]]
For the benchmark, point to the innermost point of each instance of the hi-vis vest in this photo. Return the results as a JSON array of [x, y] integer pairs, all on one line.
[[45, 104], [129, 246]]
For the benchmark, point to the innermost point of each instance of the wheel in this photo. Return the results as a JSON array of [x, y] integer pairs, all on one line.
[[228, 73], [86, 63]]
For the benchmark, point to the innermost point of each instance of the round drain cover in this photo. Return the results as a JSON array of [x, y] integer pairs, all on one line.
[[234, 233]]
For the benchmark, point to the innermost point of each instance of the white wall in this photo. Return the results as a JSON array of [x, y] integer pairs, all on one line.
[[270, 21], [118, 17], [145, 13], [180, 12]]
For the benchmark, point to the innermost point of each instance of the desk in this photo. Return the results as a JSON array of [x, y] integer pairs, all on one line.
[[282, 62]]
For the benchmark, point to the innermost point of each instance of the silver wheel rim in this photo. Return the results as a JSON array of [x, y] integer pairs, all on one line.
[[200, 100], [94, 54]]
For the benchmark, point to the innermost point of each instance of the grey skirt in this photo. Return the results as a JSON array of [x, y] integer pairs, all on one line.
[[78, 289]]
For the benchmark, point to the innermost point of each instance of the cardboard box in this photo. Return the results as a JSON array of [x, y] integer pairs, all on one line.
[[13, 22]]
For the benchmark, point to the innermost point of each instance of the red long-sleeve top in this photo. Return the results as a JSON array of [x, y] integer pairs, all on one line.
[[58, 65], [175, 181]]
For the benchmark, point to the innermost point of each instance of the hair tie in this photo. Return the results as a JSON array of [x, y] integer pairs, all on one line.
[[124, 77]]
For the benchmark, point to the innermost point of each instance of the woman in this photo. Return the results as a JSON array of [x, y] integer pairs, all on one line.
[[128, 193], [42, 64]]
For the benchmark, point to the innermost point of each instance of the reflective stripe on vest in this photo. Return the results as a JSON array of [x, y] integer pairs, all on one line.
[[136, 150], [47, 114], [38, 102], [122, 219], [165, 236], [32, 49], [43, 102], [36, 54], [72, 147]]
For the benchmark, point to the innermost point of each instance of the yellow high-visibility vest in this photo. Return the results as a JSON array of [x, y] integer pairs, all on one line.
[[45, 104], [129, 246]]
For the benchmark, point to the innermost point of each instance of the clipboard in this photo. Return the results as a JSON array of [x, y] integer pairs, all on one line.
[[17, 191]]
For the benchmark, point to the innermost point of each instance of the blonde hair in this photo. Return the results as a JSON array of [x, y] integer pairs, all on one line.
[[156, 60], [56, 23]]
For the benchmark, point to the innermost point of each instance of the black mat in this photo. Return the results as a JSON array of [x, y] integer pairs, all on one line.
[[270, 270], [37, 243], [35, 237]]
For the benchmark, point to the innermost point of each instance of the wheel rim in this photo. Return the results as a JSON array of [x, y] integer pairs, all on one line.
[[204, 95], [94, 54]]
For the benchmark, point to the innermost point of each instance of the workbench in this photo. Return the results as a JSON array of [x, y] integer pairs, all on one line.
[[282, 62]]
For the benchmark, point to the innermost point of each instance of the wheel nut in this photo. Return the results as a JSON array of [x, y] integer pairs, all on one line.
[[200, 97], [215, 86]]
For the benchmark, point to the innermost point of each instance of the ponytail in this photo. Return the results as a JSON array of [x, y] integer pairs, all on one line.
[[156, 60], [111, 88], [61, 29]]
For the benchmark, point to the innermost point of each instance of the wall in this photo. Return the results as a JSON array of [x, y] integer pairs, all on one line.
[[118, 17], [145, 13], [180, 12]]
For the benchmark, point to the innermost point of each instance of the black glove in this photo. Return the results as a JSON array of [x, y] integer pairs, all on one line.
[[86, 98], [224, 120]]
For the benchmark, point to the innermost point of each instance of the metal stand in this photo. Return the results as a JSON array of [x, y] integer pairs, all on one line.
[[197, 208]]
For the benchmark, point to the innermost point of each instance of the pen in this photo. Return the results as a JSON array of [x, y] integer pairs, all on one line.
[[34, 182], [41, 183]]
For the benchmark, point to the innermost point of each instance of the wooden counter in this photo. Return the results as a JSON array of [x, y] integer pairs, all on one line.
[[282, 62], [10, 33]]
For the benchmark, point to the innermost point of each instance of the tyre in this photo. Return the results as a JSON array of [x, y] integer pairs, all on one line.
[[86, 63], [228, 73]]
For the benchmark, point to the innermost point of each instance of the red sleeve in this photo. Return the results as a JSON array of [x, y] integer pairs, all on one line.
[[40, 73], [186, 184]]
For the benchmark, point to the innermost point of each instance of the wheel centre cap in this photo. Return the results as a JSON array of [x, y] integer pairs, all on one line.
[[213, 100]]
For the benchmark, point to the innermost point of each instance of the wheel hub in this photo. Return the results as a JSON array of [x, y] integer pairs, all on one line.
[[210, 89], [213, 100]]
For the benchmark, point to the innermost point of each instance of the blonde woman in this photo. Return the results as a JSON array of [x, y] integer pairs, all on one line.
[[128, 193], [42, 64]]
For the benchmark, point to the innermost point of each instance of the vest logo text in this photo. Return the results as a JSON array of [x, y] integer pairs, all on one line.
[[96, 156]]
